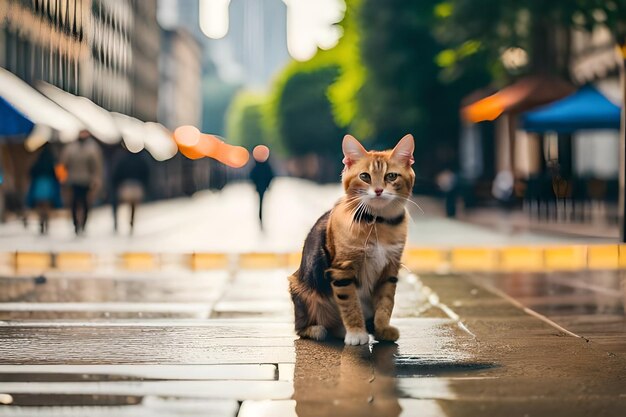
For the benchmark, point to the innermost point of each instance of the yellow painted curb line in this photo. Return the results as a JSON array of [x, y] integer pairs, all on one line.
[[203, 261], [74, 261], [565, 258], [521, 258], [474, 259], [438, 260], [139, 261], [32, 261], [425, 260], [263, 260], [603, 257]]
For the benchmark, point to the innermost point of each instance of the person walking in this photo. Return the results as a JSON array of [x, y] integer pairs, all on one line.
[[83, 162], [131, 176], [261, 175], [44, 192]]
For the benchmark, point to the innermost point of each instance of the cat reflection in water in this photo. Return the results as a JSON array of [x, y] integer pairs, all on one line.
[[346, 282]]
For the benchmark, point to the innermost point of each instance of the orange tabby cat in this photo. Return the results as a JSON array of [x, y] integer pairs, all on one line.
[[347, 279]]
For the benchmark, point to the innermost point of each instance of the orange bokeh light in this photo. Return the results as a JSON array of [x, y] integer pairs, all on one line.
[[261, 153], [236, 156], [186, 136], [195, 145]]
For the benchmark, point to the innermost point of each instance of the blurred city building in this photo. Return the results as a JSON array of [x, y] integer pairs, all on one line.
[[181, 75], [258, 39], [145, 46], [80, 46], [254, 46], [180, 103]]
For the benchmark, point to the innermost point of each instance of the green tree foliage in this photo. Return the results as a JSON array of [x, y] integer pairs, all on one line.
[[404, 91], [300, 111], [542, 28], [244, 120], [216, 98]]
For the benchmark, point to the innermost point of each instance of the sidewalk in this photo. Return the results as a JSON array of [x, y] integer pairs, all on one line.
[[227, 221], [517, 220], [221, 344]]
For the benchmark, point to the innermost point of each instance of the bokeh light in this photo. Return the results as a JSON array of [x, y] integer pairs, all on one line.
[[195, 145], [261, 153], [186, 136]]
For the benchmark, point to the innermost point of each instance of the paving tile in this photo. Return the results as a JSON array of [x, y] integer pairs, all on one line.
[[105, 344], [67, 373], [96, 406], [238, 390], [128, 289]]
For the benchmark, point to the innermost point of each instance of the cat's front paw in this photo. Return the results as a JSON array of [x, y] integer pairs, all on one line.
[[387, 333], [356, 338]]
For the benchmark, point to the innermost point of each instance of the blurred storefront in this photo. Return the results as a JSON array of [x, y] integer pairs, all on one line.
[[560, 166]]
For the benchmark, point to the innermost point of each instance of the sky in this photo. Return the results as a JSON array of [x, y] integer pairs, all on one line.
[[309, 23]]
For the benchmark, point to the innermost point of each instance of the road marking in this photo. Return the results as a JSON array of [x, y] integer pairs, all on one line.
[[528, 311]]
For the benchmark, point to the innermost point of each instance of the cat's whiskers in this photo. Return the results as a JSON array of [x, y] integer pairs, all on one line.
[[367, 239], [354, 213], [399, 197]]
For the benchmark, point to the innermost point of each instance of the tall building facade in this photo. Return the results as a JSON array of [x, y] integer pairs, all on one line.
[[254, 48], [105, 50], [181, 79], [258, 39], [180, 103], [146, 48]]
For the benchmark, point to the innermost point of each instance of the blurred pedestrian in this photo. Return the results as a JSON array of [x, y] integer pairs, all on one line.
[[261, 175], [131, 176], [83, 162], [447, 182], [44, 192]]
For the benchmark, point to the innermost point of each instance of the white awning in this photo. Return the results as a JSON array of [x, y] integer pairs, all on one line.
[[37, 108], [97, 120], [133, 131], [159, 141]]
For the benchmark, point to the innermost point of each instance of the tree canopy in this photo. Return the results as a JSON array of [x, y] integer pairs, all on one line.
[[244, 124], [540, 28]]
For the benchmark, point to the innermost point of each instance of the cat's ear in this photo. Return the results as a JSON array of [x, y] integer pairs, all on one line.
[[403, 152], [352, 150]]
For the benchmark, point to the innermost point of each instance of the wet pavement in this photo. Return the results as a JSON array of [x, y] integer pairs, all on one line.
[[220, 343]]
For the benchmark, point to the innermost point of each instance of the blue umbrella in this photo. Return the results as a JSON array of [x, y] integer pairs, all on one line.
[[12, 121], [586, 109]]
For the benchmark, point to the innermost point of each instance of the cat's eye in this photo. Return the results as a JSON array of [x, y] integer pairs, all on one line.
[[364, 176], [392, 176]]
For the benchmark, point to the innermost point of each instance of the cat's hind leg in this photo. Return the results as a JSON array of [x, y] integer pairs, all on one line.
[[315, 332], [303, 323]]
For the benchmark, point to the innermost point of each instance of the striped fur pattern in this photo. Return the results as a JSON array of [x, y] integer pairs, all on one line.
[[346, 282]]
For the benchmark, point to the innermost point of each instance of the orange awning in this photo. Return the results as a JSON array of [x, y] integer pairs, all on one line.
[[525, 94]]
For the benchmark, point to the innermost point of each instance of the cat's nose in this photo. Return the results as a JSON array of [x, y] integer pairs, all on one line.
[[378, 191]]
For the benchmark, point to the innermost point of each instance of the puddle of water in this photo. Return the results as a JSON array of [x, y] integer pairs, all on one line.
[[412, 367]]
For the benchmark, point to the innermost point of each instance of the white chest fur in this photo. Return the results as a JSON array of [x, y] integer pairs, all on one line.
[[376, 258]]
